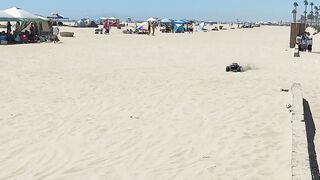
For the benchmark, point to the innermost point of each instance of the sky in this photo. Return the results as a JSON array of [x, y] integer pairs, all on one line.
[[223, 10]]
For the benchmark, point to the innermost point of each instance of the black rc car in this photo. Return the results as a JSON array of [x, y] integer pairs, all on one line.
[[234, 67]]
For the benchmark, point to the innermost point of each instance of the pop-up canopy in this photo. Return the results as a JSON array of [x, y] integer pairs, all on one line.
[[21, 14], [166, 20], [6, 17]]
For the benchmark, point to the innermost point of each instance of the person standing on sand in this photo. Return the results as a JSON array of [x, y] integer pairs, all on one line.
[[154, 25], [298, 42], [191, 28], [106, 26], [55, 33], [309, 41], [149, 28], [9, 27], [304, 42]]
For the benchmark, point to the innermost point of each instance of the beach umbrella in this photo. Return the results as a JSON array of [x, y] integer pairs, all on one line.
[[6, 17], [166, 20], [56, 16], [152, 19], [21, 14]]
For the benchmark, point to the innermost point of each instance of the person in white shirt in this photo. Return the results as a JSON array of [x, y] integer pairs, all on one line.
[[54, 37], [298, 41], [55, 31]]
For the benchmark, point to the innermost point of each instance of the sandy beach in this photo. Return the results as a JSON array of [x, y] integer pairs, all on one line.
[[136, 107]]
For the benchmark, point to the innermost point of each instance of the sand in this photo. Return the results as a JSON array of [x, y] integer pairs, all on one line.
[[126, 107]]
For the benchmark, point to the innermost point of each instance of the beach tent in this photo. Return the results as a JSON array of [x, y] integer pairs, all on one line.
[[6, 17], [167, 24], [179, 26], [25, 19], [44, 25], [21, 14]]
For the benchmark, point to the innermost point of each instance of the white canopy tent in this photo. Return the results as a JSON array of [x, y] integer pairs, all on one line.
[[21, 14], [6, 17], [24, 20]]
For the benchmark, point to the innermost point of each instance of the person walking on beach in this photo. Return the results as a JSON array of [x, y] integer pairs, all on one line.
[[106, 26]]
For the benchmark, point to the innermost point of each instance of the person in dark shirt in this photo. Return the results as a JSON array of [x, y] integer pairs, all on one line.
[[9, 27]]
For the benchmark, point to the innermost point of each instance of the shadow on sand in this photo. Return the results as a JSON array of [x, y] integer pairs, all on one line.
[[311, 132]]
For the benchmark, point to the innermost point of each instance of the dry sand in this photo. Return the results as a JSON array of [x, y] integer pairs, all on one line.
[[133, 107]]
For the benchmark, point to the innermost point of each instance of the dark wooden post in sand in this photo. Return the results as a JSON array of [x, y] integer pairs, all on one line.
[[296, 29]]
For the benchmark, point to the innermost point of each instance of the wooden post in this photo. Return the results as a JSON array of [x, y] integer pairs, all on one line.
[[296, 29]]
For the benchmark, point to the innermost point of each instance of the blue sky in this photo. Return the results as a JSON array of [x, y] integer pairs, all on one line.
[[254, 10]]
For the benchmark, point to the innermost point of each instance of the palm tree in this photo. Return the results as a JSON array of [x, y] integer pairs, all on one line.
[[306, 8], [317, 15], [295, 5], [311, 4], [311, 12], [294, 13]]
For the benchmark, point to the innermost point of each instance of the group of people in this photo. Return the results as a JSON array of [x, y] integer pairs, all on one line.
[[14, 37], [29, 35], [304, 42]]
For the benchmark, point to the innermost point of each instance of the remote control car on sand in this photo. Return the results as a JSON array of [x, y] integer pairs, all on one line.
[[234, 67]]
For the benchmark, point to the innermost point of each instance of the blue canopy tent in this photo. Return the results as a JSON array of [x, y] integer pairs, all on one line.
[[179, 26], [166, 21], [167, 25]]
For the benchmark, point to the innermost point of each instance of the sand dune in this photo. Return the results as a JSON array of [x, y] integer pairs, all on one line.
[[128, 107]]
